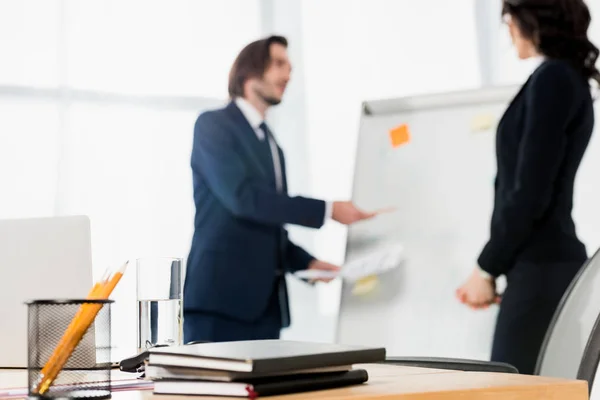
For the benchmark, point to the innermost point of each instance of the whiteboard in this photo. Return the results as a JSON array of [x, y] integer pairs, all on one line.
[[442, 183]]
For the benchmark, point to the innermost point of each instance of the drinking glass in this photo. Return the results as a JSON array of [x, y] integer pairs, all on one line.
[[159, 302]]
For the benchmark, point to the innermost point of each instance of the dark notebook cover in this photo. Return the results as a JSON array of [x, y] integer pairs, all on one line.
[[264, 356], [263, 386]]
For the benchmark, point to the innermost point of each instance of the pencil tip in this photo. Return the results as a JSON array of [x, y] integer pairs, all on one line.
[[123, 267]]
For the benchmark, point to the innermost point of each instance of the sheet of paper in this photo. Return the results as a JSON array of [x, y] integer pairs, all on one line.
[[122, 384], [371, 264]]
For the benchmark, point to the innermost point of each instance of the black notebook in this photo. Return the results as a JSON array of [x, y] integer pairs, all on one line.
[[263, 386], [264, 356]]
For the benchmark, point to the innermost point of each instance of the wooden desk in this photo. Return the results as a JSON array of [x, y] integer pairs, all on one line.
[[388, 382]]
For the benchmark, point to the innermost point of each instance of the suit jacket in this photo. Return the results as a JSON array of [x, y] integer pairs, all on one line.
[[240, 249], [540, 142]]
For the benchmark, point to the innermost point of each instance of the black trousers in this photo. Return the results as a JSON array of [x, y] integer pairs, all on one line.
[[532, 295], [212, 327]]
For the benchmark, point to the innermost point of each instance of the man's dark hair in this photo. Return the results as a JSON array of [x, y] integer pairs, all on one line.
[[252, 62]]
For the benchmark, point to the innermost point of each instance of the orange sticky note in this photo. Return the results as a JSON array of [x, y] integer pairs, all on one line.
[[400, 135]]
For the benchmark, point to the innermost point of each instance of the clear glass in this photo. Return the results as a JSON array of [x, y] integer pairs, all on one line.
[[159, 302]]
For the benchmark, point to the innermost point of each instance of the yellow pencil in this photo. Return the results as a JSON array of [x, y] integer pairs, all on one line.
[[77, 329]]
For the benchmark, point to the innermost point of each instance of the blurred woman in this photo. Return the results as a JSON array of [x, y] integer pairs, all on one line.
[[540, 142]]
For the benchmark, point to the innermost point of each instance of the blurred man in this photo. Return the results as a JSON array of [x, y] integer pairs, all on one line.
[[235, 286]]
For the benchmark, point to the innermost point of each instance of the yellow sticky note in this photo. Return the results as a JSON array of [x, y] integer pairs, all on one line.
[[365, 285], [399, 135], [482, 122]]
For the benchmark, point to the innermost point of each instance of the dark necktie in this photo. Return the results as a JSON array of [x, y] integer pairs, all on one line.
[[273, 150], [280, 286]]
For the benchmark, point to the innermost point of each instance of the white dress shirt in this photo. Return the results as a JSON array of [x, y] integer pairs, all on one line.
[[255, 120]]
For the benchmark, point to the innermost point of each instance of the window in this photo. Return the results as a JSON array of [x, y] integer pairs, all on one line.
[[177, 47], [28, 157], [29, 32], [97, 103]]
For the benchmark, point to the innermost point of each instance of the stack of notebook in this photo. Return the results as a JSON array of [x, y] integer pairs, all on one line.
[[257, 368]]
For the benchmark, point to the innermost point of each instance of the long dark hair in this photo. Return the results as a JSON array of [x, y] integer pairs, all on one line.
[[252, 62], [558, 28]]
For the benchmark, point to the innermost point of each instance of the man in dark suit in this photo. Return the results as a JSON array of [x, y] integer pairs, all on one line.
[[234, 286]]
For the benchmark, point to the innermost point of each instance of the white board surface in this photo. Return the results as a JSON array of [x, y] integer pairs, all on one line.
[[441, 182]]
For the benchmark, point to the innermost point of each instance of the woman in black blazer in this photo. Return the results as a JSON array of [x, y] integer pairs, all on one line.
[[540, 142]]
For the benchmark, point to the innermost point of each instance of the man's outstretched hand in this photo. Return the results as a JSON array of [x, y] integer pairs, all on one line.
[[345, 212]]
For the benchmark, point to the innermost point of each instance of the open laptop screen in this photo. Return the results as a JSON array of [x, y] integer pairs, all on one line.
[[40, 258]]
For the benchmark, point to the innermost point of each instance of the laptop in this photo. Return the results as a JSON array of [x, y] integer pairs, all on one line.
[[41, 258]]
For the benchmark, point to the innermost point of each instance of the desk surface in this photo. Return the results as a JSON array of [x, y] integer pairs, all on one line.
[[394, 382]]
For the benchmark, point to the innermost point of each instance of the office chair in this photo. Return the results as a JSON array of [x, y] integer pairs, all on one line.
[[577, 316], [591, 357], [572, 324]]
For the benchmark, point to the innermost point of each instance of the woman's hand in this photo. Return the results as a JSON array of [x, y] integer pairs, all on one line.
[[478, 291]]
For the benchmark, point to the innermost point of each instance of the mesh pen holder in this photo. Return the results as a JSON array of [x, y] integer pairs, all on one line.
[[80, 368]]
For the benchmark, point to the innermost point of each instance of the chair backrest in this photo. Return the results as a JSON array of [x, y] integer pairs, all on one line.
[[573, 322], [588, 368]]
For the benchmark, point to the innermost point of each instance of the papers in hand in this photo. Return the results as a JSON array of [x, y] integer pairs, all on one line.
[[374, 263]]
